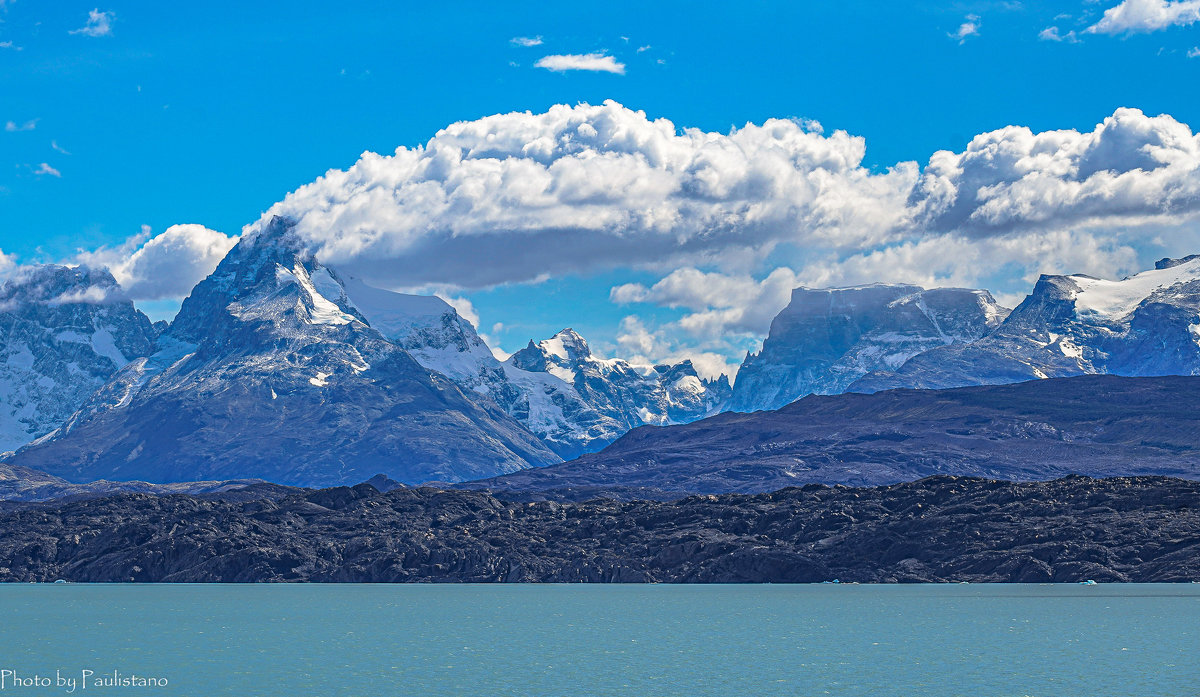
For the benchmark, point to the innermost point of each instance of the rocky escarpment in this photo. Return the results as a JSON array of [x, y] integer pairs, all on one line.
[[827, 338], [936, 529]]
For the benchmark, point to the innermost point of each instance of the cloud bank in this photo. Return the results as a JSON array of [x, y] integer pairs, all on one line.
[[521, 196]]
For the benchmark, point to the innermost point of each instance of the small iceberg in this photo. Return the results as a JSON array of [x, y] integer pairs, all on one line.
[[1088, 582]]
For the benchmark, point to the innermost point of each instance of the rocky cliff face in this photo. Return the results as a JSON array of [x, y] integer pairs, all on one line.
[[270, 371], [63, 333], [826, 339], [1147, 324], [625, 394]]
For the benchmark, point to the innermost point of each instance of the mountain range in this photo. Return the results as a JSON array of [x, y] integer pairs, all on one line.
[[280, 368], [1094, 425]]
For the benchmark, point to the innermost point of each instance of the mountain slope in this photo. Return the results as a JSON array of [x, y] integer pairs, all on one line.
[[1143, 325], [63, 332], [270, 372], [433, 333], [1093, 425], [826, 339]]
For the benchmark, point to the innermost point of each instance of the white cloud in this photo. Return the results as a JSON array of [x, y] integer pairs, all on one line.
[[47, 169], [8, 263], [966, 29], [1131, 169], [58, 148], [10, 45], [13, 126], [98, 24], [516, 197], [1143, 16], [164, 266], [593, 62], [1194, 52], [1052, 34], [526, 41], [638, 344]]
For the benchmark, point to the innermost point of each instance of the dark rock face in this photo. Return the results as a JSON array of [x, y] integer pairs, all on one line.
[[826, 339], [63, 333], [1094, 425], [937, 529], [268, 372], [1073, 325]]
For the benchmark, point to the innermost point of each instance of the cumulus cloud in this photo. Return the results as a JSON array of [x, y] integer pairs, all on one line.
[[98, 24], [592, 62], [517, 197], [526, 41], [164, 266], [966, 29], [1144, 16], [1131, 169]]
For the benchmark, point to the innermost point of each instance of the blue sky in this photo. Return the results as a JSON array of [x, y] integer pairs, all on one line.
[[168, 113]]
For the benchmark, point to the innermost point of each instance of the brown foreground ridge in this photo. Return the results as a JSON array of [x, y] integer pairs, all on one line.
[[934, 530]]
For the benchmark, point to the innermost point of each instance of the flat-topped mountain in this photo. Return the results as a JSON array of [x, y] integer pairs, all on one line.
[[826, 339]]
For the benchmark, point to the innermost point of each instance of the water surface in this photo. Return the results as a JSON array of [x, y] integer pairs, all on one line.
[[590, 641]]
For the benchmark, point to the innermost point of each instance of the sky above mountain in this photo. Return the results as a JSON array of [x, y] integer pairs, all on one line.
[[658, 176]]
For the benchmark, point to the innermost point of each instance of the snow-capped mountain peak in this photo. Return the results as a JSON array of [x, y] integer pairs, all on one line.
[[66, 331], [1143, 324], [271, 371]]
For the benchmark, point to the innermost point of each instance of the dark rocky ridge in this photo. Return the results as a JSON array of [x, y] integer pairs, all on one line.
[[1100, 426], [24, 484], [937, 529]]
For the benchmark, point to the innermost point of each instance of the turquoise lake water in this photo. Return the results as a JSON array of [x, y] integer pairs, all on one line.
[[361, 640]]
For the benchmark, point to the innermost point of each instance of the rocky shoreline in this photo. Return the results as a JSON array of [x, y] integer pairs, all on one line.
[[937, 529]]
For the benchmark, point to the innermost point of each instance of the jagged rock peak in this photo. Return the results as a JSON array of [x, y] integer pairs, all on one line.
[[56, 284]]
